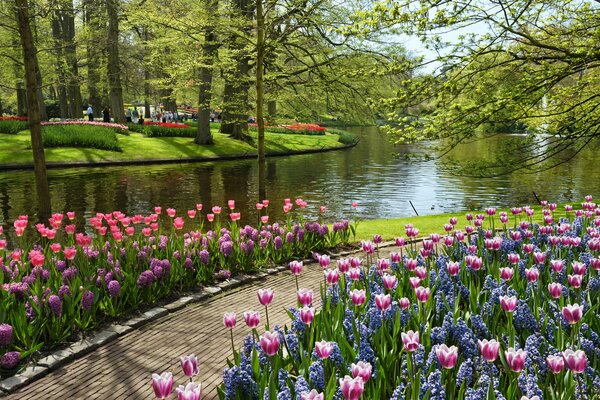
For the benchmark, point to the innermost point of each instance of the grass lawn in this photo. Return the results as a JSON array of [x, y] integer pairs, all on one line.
[[14, 148], [428, 224]]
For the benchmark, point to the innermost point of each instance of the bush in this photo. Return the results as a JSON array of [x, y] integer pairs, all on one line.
[[12, 126], [344, 137], [136, 128], [161, 131], [89, 136]]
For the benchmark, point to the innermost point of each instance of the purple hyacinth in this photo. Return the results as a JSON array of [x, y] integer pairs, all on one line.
[[55, 305], [204, 257], [6, 335], [64, 291], [188, 263], [114, 288], [87, 300], [19, 290], [146, 279], [277, 242], [227, 248], [10, 360]]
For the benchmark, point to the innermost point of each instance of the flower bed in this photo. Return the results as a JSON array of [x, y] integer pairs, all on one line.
[[119, 128], [12, 118], [91, 135], [477, 313], [12, 125], [167, 124], [167, 130], [297, 129], [70, 281]]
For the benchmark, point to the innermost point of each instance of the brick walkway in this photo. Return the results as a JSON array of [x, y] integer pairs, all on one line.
[[123, 368]]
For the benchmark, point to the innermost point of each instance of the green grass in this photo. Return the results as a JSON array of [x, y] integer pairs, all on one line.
[[11, 127], [15, 149], [428, 224], [92, 137]]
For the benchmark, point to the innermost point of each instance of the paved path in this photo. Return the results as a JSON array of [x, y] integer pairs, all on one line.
[[122, 369]]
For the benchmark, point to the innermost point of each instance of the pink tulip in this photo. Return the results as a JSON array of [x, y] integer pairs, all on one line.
[[410, 340], [489, 349], [252, 319], [576, 361], [595, 263], [265, 296], [473, 262], [557, 265], [162, 385], [55, 247], [404, 303], [189, 365], [395, 257], [210, 217], [572, 313], [389, 281], [264, 219], [229, 320], [231, 204], [578, 268], [447, 356], [411, 264], [178, 223], [422, 294], [539, 258], [453, 268], [528, 248], [296, 267], [506, 273], [358, 296], [383, 264], [421, 272], [362, 369], [532, 274], [508, 304], [368, 247], [414, 281], [157, 210], [312, 395], [343, 265], [555, 290], [324, 260], [323, 349], [383, 302], [352, 389], [332, 276], [575, 280], [305, 297], [354, 274], [555, 363], [269, 342], [307, 315], [515, 359], [216, 210], [199, 206], [235, 216], [191, 391], [171, 212], [400, 242]]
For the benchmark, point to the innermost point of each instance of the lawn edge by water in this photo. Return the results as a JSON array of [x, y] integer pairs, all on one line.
[[139, 150]]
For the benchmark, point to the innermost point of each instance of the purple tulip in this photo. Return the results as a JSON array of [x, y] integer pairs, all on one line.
[[162, 385]]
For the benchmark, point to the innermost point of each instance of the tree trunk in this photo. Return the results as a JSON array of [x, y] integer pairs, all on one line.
[[91, 18], [21, 100], [114, 69], [60, 64], [32, 89], [74, 89], [260, 94], [209, 51]]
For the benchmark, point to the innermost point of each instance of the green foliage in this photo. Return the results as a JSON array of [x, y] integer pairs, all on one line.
[[155, 131], [344, 137], [11, 127], [94, 137]]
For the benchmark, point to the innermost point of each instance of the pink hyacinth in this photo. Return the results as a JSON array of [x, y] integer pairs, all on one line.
[[515, 359], [351, 388], [229, 320], [362, 369], [265, 296], [252, 319], [410, 340], [447, 356], [191, 391], [162, 385], [572, 313], [508, 304], [555, 363], [576, 361], [307, 315], [383, 302], [305, 297], [189, 365], [269, 342], [358, 296], [489, 349], [422, 294], [296, 267], [323, 349]]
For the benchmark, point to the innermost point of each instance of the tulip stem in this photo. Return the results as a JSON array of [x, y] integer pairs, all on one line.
[[232, 343], [267, 315]]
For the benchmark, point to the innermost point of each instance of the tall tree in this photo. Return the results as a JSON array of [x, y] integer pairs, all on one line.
[[33, 111], [113, 67]]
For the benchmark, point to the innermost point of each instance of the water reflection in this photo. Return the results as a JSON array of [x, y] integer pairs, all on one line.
[[368, 173]]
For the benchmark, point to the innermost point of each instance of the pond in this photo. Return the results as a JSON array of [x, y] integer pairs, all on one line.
[[382, 184]]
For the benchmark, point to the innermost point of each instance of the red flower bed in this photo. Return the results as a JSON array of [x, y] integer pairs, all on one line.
[[306, 127], [12, 118], [166, 124]]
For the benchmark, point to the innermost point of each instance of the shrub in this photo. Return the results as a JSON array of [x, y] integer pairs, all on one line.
[[344, 137], [89, 136], [12, 126], [161, 131]]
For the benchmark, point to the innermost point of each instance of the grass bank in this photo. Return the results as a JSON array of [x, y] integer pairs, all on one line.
[[15, 149], [428, 224]]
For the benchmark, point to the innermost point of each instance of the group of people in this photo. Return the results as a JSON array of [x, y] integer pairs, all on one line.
[[130, 116]]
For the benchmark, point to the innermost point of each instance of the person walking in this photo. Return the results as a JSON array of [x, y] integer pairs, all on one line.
[[90, 113], [135, 115], [106, 114], [128, 115]]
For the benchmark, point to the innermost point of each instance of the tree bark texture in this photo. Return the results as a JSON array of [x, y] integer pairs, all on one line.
[[114, 69]]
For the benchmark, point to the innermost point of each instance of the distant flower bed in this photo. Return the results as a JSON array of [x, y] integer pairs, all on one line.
[[167, 124], [58, 281], [12, 118], [90, 135], [475, 313], [305, 127], [298, 129], [169, 130], [115, 126]]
